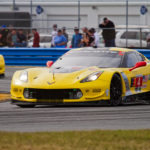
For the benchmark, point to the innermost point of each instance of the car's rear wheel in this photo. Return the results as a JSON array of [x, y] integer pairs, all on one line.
[[115, 90], [26, 106]]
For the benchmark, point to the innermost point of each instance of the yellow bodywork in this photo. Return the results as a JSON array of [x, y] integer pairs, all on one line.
[[2, 65], [41, 78]]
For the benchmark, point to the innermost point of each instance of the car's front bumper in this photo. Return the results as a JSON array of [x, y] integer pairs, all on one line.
[[2, 69], [89, 93], [99, 102]]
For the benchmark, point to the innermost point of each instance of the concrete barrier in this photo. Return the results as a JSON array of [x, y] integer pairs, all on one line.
[[31, 56], [39, 56]]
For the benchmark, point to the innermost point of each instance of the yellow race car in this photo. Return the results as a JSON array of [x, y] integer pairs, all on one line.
[[111, 75], [2, 66]]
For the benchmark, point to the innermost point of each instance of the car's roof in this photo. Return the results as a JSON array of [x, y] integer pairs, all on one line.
[[103, 49], [121, 49]]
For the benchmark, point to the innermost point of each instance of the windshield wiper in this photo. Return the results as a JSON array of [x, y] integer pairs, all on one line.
[[58, 67]]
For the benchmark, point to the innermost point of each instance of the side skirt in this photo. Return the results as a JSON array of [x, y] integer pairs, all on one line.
[[141, 97]]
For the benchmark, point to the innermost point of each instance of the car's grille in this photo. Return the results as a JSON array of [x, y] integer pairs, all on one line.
[[52, 93]]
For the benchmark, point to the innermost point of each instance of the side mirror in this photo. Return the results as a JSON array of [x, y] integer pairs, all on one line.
[[138, 64], [49, 64]]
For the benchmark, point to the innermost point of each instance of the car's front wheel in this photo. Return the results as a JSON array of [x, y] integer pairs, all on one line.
[[115, 90]]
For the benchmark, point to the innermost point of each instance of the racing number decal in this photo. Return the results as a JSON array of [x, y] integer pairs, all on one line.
[[133, 82], [139, 81], [136, 82]]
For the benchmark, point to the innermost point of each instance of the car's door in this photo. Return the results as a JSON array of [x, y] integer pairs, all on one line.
[[137, 78], [145, 71]]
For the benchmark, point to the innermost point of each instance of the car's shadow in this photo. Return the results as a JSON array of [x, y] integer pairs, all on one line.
[[87, 105]]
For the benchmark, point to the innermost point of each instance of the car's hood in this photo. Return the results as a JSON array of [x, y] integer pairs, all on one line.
[[61, 76]]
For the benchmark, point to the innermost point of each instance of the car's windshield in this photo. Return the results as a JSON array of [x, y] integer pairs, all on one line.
[[85, 58]]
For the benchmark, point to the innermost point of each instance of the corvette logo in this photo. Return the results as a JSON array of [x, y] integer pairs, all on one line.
[[50, 83]]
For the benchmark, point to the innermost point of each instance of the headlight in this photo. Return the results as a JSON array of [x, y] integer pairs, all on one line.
[[24, 76], [92, 77]]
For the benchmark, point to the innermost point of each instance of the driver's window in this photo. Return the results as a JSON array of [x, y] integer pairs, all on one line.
[[131, 60]]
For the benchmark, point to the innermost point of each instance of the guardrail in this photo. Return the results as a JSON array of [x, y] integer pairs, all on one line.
[[39, 56], [31, 56]]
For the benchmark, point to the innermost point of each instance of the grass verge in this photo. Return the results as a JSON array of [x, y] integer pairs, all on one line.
[[77, 140]]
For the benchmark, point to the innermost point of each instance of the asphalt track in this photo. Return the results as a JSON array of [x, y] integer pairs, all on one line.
[[62, 118]]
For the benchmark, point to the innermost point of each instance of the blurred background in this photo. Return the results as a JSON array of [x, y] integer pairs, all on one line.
[[131, 17]]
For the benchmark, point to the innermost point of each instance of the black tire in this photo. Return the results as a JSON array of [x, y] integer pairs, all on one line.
[[115, 91], [2, 76], [26, 106]]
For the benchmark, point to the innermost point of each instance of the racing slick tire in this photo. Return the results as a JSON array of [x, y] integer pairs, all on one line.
[[2, 76], [115, 90]]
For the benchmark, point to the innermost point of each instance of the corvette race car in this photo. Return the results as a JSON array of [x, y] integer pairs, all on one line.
[[111, 75], [2, 66]]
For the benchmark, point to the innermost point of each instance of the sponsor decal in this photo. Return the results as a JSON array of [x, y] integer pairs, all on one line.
[[87, 91], [126, 81], [15, 90], [144, 86], [139, 82], [133, 82], [96, 90], [145, 78], [149, 77], [107, 92], [137, 89]]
